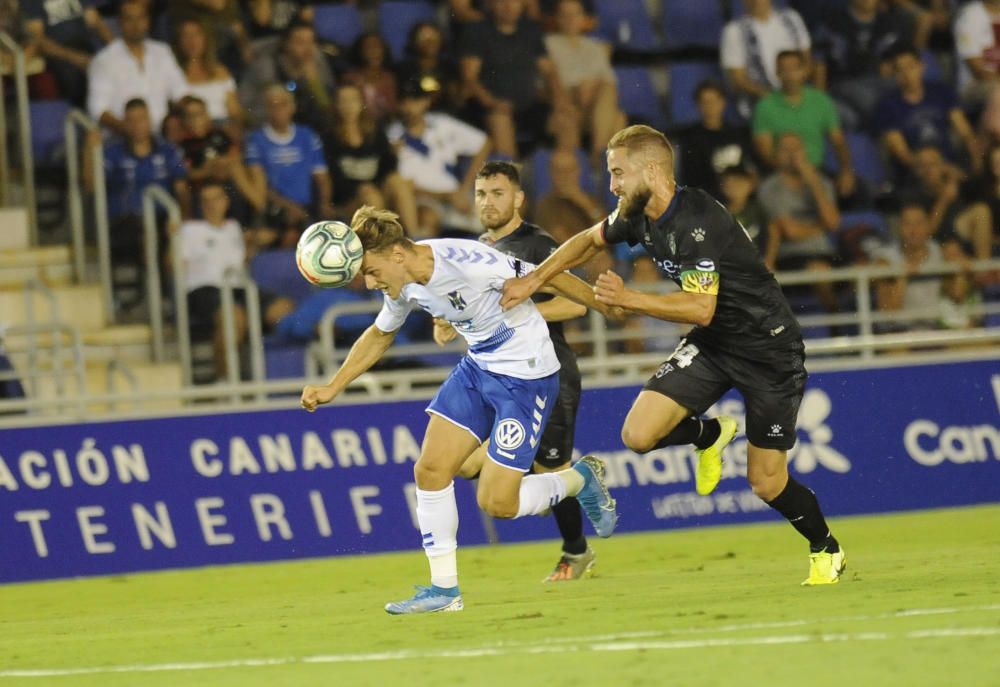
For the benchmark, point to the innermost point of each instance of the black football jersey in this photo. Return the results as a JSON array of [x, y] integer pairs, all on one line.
[[530, 243], [703, 249]]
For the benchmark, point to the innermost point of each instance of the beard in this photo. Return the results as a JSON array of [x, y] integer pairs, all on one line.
[[495, 219], [635, 204]]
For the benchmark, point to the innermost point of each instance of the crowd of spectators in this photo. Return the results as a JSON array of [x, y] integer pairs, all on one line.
[[248, 100]]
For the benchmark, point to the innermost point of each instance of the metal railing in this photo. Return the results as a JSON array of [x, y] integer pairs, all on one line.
[[239, 279], [24, 137], [151, 198], [76, 120]]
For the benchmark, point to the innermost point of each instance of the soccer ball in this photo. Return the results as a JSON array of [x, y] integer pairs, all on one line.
[[329, 254]]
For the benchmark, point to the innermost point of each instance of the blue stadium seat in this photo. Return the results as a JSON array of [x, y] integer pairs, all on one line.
[[686, 23], [626, 24], [875, 220], [397, 17], [866, 156], [284, 359], [684, 79], [340, 24], [637, 96], [47, 119], [275, 272], [933, 69], [542, 178], [737, 9]]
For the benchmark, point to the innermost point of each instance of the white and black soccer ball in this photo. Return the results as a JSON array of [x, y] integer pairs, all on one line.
[[329, 254]]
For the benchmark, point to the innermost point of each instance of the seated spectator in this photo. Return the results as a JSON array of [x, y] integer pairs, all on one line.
[[919, 114], [502, 59], [853, 42], [978, 50], [738, 192], [750, 48], [584, 67], [807, 112], [268, 19], [302, 67], [802, 205], [929, 23], [63, 33], [566, 209], [211, 156], [712, 146], [942, 300], [963, 225], [371, 73], [426, 61], [362, 163], [207, 78], [286, 161], [464, 12], [429, 146], [131, 67], [131, 165], [990, 191], [209, 247]]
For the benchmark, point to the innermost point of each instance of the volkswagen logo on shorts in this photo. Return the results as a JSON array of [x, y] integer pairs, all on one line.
[[509, 434]]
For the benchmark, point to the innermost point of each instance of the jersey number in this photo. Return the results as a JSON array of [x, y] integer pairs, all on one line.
[[684, 354]]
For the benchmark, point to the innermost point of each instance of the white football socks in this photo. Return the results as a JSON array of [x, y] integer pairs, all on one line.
[[540, 492], [437, 514]]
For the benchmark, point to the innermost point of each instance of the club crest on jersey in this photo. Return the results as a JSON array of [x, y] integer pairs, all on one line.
[[509, 434], [698, 234], [672, 243], [457, 302]]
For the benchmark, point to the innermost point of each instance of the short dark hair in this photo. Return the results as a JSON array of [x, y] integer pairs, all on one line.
[[501, 167], [901, 49], [296, 25], [134, 103], [708, 85], [797, 54]]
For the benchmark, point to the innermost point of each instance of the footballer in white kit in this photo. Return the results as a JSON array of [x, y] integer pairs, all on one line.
[[502, 391]]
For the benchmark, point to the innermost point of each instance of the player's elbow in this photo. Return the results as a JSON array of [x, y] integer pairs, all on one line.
[[704, 311]]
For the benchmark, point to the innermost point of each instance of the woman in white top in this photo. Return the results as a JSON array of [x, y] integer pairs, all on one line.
[[584, 66], [207, 78]]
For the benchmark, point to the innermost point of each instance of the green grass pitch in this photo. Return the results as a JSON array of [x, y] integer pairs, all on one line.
[[919, 605]]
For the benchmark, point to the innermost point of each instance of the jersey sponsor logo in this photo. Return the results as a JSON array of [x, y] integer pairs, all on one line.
[[509, 434], [457, 301], [698, 234], [705, 266], [671, 269], [693, 281]]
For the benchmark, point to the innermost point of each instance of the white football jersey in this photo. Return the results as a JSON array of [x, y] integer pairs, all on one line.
[[465, 289]]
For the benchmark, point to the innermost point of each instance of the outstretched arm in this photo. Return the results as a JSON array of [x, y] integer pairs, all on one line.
[[366, 351], [575, 251], [581, 294]]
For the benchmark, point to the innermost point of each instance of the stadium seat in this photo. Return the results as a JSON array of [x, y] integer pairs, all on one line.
[[684, 79], [397, 17], [737, 9], [875, 220], [626, 24], [274, 271], [47, 119], [691, 24], [637, 96], [340, 24], [866, 156], [542, 179], [933, 69]]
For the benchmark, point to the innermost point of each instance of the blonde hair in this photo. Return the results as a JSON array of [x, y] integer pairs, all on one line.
[[379, 230], [640, 139]]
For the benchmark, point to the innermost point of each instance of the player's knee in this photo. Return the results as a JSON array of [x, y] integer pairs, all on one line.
[[495, 506], [766, 485], [637, 440], [429, 476]]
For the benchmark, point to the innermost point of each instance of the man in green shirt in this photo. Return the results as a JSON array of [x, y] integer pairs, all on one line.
[[805, 111]]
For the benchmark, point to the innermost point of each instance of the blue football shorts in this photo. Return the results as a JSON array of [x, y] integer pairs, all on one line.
[[510, 412]]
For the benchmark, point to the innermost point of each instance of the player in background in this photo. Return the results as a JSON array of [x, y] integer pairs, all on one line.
[[498, 200], [503, 390], [745, 334]]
